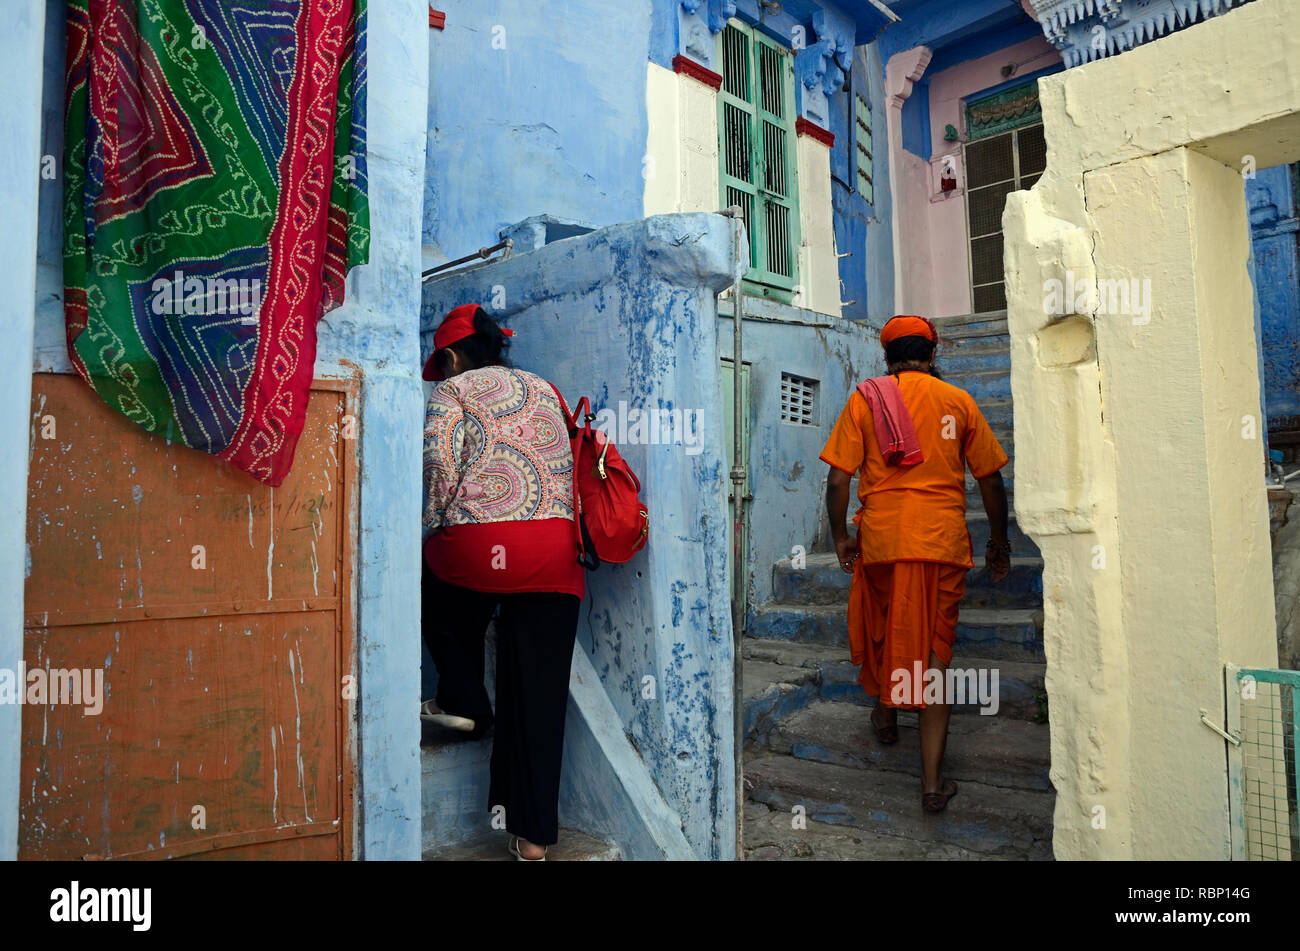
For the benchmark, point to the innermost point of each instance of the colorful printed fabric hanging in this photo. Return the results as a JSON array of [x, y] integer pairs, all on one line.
[[214, 200]]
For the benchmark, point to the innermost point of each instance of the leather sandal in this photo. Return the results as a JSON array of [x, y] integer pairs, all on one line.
[[430, 712], [888, 735], [938, 801], [513, 849]]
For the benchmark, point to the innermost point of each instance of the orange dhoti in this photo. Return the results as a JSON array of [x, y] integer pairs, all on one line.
[[900, 612]]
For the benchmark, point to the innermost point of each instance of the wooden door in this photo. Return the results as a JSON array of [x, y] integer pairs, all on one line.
[[220, 614]]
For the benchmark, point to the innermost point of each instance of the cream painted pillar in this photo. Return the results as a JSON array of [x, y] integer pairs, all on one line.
[[1137, 470], [1196, 561], [681, 163], [902, 70], [1065, 500], [819, 268]]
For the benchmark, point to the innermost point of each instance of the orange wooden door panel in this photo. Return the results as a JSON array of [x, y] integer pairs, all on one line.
[[220, 612]]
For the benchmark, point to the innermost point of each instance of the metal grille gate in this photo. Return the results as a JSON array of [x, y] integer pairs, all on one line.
[[1263, 710]]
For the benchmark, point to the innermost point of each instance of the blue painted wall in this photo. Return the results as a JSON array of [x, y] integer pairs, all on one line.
[[1271, 200], [535, 107], [629, 313], [862, 230], [941, 23], [20, 152], [787, 479]]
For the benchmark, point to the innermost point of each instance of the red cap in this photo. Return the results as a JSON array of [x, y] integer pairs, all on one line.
[[456, 326], [907, 325]]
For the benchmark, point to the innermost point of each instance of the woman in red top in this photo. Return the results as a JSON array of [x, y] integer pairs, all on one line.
[[500, 537]]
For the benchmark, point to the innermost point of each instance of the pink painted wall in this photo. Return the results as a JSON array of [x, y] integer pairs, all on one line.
[[938, 251]]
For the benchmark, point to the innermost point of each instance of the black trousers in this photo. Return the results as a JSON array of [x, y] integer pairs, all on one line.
[[535, 637]]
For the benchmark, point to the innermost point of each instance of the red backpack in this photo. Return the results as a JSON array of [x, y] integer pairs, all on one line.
[[612, 523]]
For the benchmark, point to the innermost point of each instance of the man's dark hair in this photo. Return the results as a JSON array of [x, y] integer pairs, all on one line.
[[486, 347], [908, 350]]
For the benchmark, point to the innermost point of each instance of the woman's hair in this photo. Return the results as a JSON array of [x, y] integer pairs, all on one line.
[[486, 347]]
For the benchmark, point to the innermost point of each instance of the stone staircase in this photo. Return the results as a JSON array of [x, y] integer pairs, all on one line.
[[454, 789], [811, 757]]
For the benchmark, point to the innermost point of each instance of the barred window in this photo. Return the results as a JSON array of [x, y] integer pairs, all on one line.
[[995, 167]]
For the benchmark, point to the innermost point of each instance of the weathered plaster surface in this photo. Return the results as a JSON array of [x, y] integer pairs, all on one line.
[[628, 313], [1134, 472], [786, 477], [863, 236], [533, 108], [22, 45]]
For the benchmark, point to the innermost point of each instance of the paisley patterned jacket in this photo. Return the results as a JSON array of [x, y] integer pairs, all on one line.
[[495, 450]]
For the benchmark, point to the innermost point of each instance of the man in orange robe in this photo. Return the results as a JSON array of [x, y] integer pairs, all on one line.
[[912, 549]]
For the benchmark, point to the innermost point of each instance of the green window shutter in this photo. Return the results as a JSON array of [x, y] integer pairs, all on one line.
[[757, 161], [865, 163]]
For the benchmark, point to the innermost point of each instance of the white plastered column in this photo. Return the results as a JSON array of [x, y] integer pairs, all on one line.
[[1136, 470]]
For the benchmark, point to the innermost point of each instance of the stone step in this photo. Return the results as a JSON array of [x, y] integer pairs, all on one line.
[[983, 385], [999, 751], [1023, 588], [773, 836], [978, 524], [1000, 633], [492, 847], [975, 501], [969, 324], [821, 581], [990, 820], [973, 354], [782, 677], [454, 787], [998, 414], [824, 624]]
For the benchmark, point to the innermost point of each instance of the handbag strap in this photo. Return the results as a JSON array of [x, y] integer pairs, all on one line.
[[575, 448]]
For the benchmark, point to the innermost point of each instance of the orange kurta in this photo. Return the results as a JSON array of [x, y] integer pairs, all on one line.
[[914, 546]]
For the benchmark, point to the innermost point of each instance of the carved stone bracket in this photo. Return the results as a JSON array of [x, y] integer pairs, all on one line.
[[902, 71], [698, 21], [1084, 30]]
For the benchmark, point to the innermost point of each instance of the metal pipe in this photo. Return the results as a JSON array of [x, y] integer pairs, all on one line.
[[482, 254], [738, 478]]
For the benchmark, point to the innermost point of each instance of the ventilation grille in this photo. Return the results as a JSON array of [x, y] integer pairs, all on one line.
[[798, 400]]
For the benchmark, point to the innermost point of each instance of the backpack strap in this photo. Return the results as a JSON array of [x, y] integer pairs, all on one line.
[[575, 447]]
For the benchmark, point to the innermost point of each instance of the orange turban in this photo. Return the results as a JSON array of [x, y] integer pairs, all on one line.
[[908, 326]]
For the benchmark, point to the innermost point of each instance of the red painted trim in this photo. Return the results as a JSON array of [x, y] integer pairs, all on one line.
[[813, 130], [688, 67], [437, 19]]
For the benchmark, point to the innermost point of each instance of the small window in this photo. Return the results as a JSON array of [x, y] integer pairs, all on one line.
[[798, 400]]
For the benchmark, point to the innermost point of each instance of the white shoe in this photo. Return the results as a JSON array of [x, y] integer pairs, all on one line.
[[513, 849], [430, 713]]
